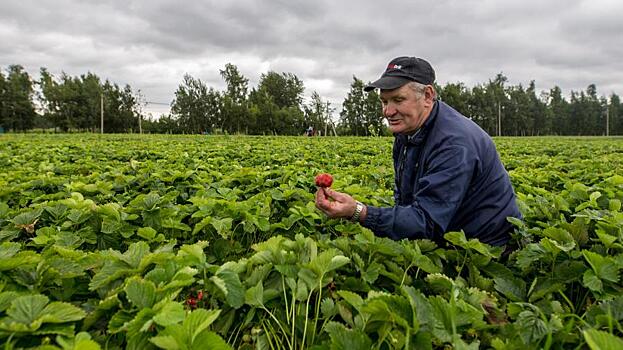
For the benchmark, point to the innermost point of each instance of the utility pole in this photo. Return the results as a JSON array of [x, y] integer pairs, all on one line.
[[326, 122], [607, 120], [499, 119], [140, 102], [101, 113]]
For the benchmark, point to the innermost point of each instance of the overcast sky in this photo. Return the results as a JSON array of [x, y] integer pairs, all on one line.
[[150, 45]]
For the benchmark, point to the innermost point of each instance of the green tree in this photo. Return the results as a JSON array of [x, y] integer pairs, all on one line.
[[457, 96], [196, 107], [4, 89], [373, 115], [540, 119], [237, 84], [276, 104], [75, 103], [354, 109], [615, 115], [481, 109], [318, 114], [558, 108], [235, 110], [286, 89], [120, 109], [263, 112], [17, 110], [586, 113]]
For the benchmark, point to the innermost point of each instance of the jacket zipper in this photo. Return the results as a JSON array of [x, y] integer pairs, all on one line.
[[401, 167]]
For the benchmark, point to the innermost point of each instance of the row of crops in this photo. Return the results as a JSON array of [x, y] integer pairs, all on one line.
[[188, 242]]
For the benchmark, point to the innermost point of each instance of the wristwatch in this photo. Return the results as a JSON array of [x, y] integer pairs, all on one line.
[[357, 213]]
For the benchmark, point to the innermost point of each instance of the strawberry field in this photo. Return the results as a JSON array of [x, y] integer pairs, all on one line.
[[188, 242]]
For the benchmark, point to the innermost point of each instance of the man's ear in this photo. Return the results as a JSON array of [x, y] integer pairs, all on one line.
[[429, 93]]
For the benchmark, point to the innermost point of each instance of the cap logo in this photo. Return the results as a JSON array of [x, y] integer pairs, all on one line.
[[394, 66]]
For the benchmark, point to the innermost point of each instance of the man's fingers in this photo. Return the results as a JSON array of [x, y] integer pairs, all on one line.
[[335, 195], [322, 201]]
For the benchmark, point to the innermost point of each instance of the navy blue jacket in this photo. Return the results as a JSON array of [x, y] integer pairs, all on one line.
[[448, 177]]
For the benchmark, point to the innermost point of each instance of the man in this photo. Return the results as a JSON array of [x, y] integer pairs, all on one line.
[[448, 175]]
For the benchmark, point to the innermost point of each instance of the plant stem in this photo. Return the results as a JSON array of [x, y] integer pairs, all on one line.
[[306, 318], [318, 300], [404, 275], [278, 324]]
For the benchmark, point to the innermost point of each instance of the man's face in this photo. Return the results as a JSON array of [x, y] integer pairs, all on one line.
[[405, 109]]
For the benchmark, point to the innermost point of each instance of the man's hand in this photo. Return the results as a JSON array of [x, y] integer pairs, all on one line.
[[335, 204]]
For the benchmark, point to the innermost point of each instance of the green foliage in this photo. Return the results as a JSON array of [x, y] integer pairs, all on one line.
[[199, 243]]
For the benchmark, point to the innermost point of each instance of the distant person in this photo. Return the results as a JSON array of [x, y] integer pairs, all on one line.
[[448, 175], [309, 131]]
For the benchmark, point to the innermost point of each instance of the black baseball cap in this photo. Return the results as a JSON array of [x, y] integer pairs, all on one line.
[[402, 70]]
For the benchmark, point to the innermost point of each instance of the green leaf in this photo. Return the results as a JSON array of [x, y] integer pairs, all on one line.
[[592, 282], [559, 238], [194, 254], [353, 299], [29, 313], [229, 283], [28, 308], [201, 224], [147, 233], [600, 340], [604, 267], [198, 321], [459, 239], [532, 253], [135, 253], [4, 210], [82, 341], [440, 283], [59, 312], [28, 218], [254, 296], [171, 313], [531, 328], [513, 288], [6, 298], [327, 307], [222, 226], [165, 342], [347, 339], [45, 235], [8, 250], [140, 292], [337, 262], [151, 201], [302, 292], [209, 341]]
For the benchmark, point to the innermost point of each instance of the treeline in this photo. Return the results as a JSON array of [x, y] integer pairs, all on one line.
[[515, 110], [276, 106]]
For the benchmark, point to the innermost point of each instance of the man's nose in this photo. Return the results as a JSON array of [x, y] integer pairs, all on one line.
[[389, 110]]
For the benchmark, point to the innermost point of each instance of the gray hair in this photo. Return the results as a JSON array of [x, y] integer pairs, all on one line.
[[420, 89]]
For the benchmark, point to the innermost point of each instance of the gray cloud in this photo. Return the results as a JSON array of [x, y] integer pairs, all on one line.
[[152, 44]]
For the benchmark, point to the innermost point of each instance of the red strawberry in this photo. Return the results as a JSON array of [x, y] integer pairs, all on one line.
[[324, 180], [192, 302], [200, 295]]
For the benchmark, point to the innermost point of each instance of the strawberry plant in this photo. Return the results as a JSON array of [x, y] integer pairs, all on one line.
[[141, 241]]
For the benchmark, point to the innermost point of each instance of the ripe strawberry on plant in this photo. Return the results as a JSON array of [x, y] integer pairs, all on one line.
[[324, 180], [191, 302]]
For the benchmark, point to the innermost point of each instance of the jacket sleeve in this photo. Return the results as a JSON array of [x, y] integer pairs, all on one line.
[[440, 192]]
